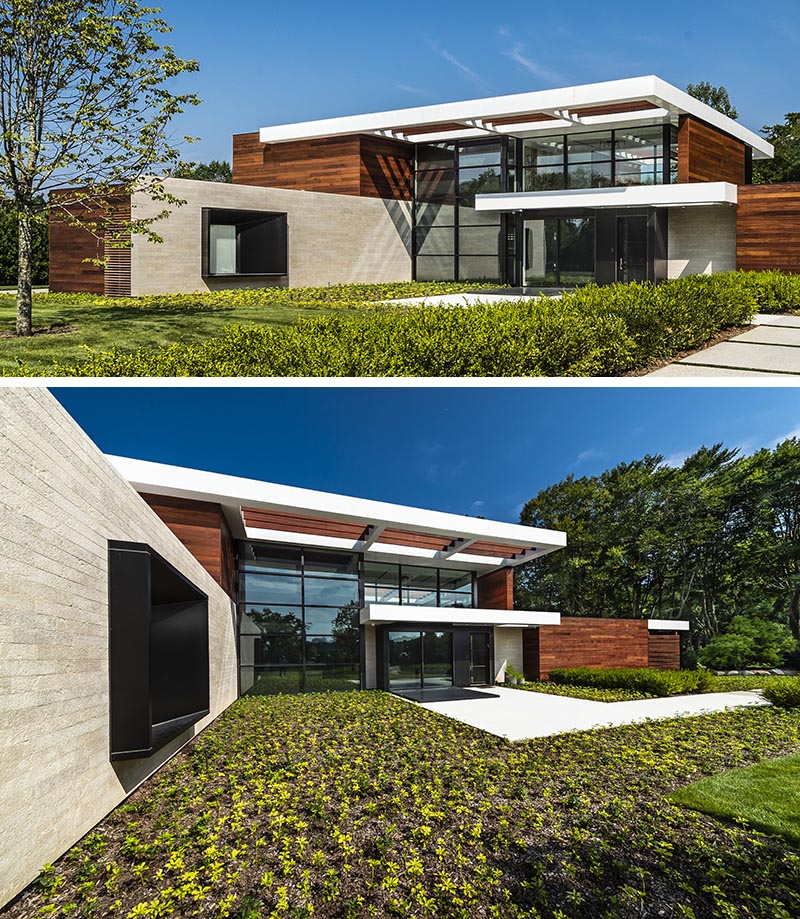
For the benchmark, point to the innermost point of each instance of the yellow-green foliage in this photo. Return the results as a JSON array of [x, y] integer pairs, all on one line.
[[784, 692], [594, 331], [644, 680], [337, 805]]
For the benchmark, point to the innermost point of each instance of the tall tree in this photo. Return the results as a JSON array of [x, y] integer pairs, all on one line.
[[715, 96], [212, 171], [785, 167], [84, 103]]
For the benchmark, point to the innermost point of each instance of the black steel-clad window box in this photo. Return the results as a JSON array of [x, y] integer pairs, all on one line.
[[244, 244], [158, 651]]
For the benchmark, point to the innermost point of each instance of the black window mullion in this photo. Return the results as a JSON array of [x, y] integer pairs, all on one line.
[[456, 209], [613, 159]]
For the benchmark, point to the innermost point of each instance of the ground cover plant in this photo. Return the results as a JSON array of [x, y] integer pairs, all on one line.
[[360, 804], [766, 796], [71, 326], [636, 679], [784, 692], [593, 693], [592, 331]]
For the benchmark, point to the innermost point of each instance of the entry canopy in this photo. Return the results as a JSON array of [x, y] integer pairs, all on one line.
[[694, 194], [267, 512], [385, 613], [592, 106]]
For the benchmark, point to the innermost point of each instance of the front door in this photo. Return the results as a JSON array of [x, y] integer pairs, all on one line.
[[420, 660], [480, 658], [631, 249]]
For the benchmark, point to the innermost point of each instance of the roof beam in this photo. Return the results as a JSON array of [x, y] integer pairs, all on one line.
[[371, 536], [457, 545]]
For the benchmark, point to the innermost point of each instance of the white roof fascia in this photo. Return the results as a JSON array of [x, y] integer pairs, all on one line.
[[227, 490], [691, 194], [380, 613], [566, 99], [668, 625]]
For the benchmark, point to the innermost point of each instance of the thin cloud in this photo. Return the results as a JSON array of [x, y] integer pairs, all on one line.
[[676, 460], [413, 90], [795, 432], [517, 54], [460, 65], [589, 456]]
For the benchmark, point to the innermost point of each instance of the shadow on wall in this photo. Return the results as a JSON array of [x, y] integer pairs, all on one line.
[[399, 212]]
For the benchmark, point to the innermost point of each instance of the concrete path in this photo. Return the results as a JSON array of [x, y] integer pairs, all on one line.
[[770, 349], [520, 715]]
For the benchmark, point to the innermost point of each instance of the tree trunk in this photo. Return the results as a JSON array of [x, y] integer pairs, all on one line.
[[794, 613], [25, 273]]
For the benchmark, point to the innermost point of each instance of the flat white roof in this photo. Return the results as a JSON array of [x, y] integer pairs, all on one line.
[[668, 625], [691, 194], [547, 111], [267, 511]]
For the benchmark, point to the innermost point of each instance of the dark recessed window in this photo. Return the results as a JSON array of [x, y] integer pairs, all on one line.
[[244, 243], [158, 651]]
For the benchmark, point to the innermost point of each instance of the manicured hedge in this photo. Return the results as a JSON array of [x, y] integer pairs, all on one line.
[[774, 292], [594, 331], [783, 692], [593, 693], [644, 680]]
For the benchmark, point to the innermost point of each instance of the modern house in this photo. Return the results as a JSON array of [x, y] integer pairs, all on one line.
[[138, 601], [618, 181]]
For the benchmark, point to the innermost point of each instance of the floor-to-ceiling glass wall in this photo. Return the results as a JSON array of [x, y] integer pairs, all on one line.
[[420, 659], [298, 628], [558, 251]]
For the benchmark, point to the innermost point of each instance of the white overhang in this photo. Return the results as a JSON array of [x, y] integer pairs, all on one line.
[[384, 613], [269, 512], [693, 194], [560, 110], [668, 625]]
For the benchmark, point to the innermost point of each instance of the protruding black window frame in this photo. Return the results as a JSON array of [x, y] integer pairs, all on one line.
[[238, 218]]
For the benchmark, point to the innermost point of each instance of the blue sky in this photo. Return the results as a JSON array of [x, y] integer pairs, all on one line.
[[464, 450], [272, 63]]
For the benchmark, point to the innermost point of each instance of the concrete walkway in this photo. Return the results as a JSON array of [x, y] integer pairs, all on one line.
[[770, 349], [520, 715]]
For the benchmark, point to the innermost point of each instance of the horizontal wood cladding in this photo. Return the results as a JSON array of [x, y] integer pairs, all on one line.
[[768, 228], [357, 164], [590, 642], [615, 108], [708, 155], [416, 540], [71, 246], [496, 589], [202, 528], [664, 651], [301, 523]]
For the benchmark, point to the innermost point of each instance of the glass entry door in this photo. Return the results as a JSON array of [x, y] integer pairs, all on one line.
[[420, 660], [631, 249], [479, 658], [558, 251]]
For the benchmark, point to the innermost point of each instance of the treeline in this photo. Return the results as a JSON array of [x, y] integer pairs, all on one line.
[[716, 541], [9, 241]]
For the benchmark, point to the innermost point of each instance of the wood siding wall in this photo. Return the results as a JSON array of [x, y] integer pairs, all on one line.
[[664, 651], [71, 246], [496, 589], [371, 167], [768, 228], [202, 528], [707, 155], [589, 642]]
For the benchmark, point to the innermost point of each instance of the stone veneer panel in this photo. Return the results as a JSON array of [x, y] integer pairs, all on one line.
[[60, 503], [333, 239], [701, 240], [507, 650]]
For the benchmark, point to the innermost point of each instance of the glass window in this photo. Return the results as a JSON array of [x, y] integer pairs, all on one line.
[[639, 143], [543, 151], [273, 588], [436, 186], [451, 579], [435, 156], [469, 217], [269, 681], [325, 620], [222, 249], [330, 592], [262, 558], [435, 214], [435, 268], [479, 268], [435, 241], [595, 148], [589, 175], [480, 155], [576, 251], [275, 618], [479, 240], [642, 172], [327, 678], [483, 180], [543, 178], [329, 563]]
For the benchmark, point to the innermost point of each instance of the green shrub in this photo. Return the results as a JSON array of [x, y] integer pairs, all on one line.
[[593, 693], [774, 292], [590, 332], [725, 683], [644, 680], [748, 642], [784, 692]]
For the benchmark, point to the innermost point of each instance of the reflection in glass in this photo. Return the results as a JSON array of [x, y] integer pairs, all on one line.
[[540, 253], [330, 592], [437, 659], [405, 660], [480, 155], [589, 175], [435, 268], [576, 258], [593, 148], [272, 588]]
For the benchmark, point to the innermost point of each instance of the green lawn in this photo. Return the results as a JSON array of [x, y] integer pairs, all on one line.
[[101, 324], [766, 795], [357, 804]]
